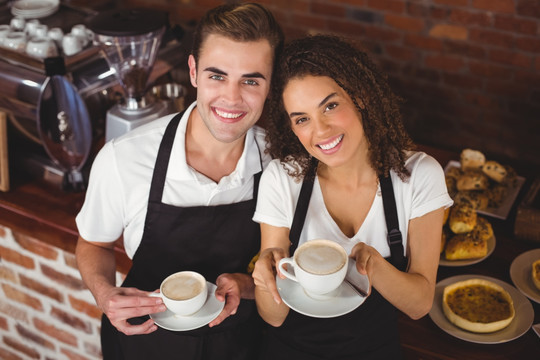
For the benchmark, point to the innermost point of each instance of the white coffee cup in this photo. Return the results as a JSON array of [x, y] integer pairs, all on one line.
[[31, 26], [15, 41], [41, 47], [319, 267], [71, 44], [183, 293], [56, 34], [81, 32], [41, 30], [17, 23]]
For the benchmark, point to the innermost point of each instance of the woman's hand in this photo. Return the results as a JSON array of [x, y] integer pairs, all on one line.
[[265, 271], [231, 288]]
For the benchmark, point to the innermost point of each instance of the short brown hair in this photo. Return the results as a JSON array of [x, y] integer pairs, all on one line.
[[240, 22]]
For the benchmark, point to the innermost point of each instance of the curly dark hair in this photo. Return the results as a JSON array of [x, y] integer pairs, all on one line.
[[357, 75]]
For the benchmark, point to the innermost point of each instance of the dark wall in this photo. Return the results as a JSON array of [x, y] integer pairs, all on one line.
[[469, 70]]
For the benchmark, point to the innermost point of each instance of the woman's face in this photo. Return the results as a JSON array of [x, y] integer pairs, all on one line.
[[325, 120]]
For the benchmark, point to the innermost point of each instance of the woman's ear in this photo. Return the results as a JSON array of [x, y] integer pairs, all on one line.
[[192, 70]]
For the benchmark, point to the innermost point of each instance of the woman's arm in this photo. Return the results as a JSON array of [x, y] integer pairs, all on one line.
[[274, 246], [411, 292]]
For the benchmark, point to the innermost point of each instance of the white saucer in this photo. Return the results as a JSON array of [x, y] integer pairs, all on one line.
[[521, 274], [293, 295], [35, 8], [210, 310]]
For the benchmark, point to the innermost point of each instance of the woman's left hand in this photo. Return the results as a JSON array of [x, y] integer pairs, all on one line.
[[231, 288], [366, 258]]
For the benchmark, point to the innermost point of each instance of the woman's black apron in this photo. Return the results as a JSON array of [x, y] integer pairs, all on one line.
[[208, 239], [369, 332]]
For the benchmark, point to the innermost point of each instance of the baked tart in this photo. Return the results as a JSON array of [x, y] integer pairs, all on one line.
[[478, 305], [536, 273]]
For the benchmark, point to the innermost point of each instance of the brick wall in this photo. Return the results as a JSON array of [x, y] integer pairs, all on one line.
[[469, 70], [45, 310]]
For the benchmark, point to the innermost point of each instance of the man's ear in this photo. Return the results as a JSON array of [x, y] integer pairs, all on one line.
[[192, 70]]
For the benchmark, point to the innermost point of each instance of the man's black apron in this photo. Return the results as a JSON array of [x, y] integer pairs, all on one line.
[[369, 332], [208, 239]]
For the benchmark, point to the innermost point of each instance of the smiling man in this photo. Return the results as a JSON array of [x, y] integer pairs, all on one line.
[[180, 192]]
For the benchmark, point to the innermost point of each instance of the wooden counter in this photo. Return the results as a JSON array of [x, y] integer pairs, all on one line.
[[47, 213]]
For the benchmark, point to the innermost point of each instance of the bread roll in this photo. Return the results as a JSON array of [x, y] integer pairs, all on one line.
[[451, 185], [477, 199], [454, 172], [465, 246], [494, 170], [496, 194], [472, 180], [462, 218], [471, 159], [483, 229]]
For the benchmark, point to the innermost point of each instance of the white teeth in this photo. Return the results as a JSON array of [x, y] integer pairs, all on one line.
[[228, 115], [331, 145]]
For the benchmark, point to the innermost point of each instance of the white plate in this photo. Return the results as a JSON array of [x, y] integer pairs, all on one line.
[[521, 274], [490, 248], [210, 310], [34, 8], [346, 300], [519, 326], [502, 211]]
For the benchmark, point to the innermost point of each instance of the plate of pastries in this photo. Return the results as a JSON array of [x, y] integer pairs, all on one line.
[[481, 309], [488, 186]]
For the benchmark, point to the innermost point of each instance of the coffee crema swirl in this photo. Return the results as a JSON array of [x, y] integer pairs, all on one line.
[[320, 259], [182, 287]]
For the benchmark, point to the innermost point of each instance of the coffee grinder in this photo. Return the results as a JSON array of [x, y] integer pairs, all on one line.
[[130, 39]]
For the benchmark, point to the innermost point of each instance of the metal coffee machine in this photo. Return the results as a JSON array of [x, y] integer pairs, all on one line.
[[130, 39], [50, 143]]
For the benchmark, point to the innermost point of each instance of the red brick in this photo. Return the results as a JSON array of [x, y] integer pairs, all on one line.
[[382, 34], [54, 332], [445, 31], [462, 81], [502, 6], [510, 23], [452, 2], [508, 89], [2, 232], [70, 260], [423, 42], [31, 336], [401, 53], [438, 13], [417, 10], [327, 9], [92, 349], [496, 38], [464, 49], [61, 278], [346, 27], [537, 63], [41, 288], [84, 307], [465, 17], [488, 70], [7, 274], [530, 8], [16, 258], [510, 58], [394, 6], [481, 100], [72, 355], [71, 320], [15, 344], [35, 246], [13, 311], [3, 323], [404, 23], [420, 73], [530, 44], [5, 354], [22, 297], [359, 3], [308, 21], [444, 62]]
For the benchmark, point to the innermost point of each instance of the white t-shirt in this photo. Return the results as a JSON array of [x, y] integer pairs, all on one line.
[[424, 192], [117, 195]]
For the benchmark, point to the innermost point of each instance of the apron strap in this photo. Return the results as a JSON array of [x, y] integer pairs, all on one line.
[[302, 205], [162, 160], [394, 237]]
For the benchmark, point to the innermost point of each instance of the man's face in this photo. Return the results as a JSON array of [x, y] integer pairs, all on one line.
[[232, 80]]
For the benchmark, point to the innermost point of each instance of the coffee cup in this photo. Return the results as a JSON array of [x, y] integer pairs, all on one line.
[[71, 44], [183, 293], [17, 23], [319, 267], [15, 41], [41, 47], [31, 26], [5, 30]]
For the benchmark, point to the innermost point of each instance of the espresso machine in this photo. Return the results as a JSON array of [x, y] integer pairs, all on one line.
[[130, 39]]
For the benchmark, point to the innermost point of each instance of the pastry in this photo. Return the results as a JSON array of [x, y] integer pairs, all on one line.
[[465, 246], [536, 273], [478, 305], [462, 218], [496, 194], [494, 171], [454, 172], [451, 185], [472, 180], [477, 199], [482, 230], [471, 159]]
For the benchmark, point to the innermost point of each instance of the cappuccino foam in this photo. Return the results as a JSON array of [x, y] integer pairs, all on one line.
[[320, 259], [182, 287]]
